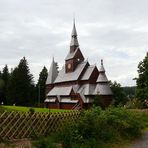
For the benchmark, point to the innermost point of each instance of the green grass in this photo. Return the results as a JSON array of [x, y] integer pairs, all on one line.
[[26, 109]]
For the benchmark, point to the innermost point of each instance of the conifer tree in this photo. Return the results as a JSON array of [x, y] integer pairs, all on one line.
[[142, 80], [21, 85], [41, 85], [5, 77]]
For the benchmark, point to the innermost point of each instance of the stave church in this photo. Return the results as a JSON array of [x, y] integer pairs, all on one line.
[[78, 83]]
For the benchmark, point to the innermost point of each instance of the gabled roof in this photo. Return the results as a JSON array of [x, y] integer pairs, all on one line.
[[88, 72], [73, 76], [53, 72], [71, 54], [87, 89], [60, 91]]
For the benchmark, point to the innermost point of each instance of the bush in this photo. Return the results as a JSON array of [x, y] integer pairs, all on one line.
[[96, 127], [32, 110], [134, 104], [45, 143]]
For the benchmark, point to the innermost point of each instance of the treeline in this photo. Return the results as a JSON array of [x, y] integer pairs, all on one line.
[[133, 97], [18, 87]]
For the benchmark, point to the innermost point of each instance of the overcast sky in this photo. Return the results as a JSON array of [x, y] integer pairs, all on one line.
[[113, 30]]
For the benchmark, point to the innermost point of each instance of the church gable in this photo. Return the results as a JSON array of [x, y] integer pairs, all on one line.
[[72, 76], [90, 74], [77, 83]]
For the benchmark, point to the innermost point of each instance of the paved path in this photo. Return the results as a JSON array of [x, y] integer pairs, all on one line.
[[142, 142]]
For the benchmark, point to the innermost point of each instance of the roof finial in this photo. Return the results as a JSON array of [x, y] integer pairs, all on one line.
[[102, 62]]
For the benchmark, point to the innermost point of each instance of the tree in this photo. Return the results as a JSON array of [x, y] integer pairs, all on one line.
[[142, 80], [130, 91], [119, 95], [41, 85], [21, 85], [5, 77]]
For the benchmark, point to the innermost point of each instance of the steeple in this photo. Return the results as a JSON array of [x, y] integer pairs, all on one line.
[[102, 76], [53, 72], [102, 67], [74, 41]]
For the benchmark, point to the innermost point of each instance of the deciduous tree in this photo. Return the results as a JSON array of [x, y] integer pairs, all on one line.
[[142, 80], [120, 97]]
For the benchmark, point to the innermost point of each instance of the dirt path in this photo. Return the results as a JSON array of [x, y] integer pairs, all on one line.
[[142, 142]]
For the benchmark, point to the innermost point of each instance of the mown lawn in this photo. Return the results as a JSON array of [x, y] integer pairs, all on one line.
[[26, 109]]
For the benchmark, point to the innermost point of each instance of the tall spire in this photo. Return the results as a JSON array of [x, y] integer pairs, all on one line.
[[74, 40], [53, 72]]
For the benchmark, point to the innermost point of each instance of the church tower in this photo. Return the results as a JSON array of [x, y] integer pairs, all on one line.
[[75, 55]]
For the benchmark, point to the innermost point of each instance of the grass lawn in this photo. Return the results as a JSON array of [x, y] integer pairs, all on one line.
[[26, 109]]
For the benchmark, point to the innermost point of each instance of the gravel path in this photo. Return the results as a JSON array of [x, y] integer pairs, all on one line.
[[142, 142]]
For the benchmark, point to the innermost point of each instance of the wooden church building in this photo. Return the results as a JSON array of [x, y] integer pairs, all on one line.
[[76, 85]]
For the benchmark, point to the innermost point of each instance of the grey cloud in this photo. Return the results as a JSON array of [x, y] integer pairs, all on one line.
[[110, 29]]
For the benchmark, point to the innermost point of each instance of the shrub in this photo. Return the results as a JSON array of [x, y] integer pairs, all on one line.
[[134, 104], [96, 127], [32, 110], [44, 143]]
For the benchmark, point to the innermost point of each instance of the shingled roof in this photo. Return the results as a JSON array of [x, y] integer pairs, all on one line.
[[53, 72], [71, 54], [88, 72], [73, 76]]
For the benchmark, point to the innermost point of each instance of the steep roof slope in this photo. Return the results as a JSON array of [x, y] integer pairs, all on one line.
[[53, 73]]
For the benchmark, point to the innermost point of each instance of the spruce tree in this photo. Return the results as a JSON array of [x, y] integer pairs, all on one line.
[[142, 80], [5, 77], [41, 85], [21, 84]]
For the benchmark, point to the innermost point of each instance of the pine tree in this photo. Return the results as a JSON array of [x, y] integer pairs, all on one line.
[[142, 80], [41, 85], [2, 84], [21, 85], [5, 77]]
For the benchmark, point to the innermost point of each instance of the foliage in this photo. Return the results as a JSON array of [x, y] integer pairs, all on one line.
[[142, 80], [31, 110], [44, 143], [134, 104], [98, 101], [130, 91], [21, 85], [96, 127], [41, 84], [119, 94], [4, 78]]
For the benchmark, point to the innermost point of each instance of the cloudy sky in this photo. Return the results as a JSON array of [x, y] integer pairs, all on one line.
[[115, 30]]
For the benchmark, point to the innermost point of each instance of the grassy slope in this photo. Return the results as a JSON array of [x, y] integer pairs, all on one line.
[[26, 109]]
